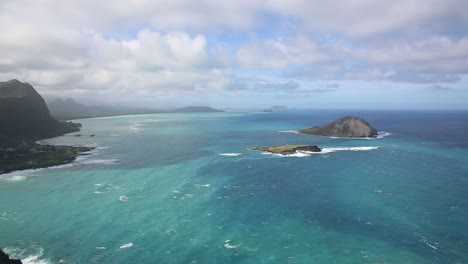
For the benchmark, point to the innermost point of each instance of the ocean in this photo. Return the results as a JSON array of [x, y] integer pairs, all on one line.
[[185, 188]]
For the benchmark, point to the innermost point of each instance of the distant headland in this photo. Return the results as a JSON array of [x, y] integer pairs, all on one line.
[[348, 127], [197, 109]]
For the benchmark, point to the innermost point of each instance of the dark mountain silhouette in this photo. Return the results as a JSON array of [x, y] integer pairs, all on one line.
[[24, 115]]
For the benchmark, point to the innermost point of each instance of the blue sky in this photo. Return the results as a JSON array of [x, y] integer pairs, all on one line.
[[402, 54]]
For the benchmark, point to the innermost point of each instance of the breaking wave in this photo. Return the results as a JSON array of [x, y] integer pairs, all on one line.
[[303, 154], [289, 131], [231, 154]]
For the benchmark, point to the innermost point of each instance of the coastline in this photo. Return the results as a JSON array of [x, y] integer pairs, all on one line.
[[36, 156]]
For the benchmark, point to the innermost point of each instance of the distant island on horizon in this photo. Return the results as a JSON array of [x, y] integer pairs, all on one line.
[[69, 109], [196, 109]]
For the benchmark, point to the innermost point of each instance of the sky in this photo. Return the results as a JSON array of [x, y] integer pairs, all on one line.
[[366, 54]]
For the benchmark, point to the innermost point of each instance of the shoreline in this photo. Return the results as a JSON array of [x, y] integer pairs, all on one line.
[[36, 156]]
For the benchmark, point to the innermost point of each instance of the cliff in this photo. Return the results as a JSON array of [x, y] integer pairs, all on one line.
[[354, 127], [24, 115], [5, 259]]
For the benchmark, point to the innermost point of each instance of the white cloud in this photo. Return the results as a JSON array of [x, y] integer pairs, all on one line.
[[143, 47]]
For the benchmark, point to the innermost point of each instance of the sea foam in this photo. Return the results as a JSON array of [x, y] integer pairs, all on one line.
[[127, 245], [231, 154], [330, 150], [289, 131], [380, 135], [230, 246], [18, 253], [303, 154], [100, 161]]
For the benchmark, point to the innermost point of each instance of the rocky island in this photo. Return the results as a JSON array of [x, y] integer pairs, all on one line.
[[350, 127], [288, 149], [24, 119]]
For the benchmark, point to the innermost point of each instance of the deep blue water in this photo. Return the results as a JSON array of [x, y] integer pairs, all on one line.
[[398, 199]]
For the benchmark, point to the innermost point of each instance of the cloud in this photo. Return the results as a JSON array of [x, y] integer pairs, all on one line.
[[439, 88], [412, 77], [135, 49], [367, 18], [258, 85], [332, 85], [153, 51]]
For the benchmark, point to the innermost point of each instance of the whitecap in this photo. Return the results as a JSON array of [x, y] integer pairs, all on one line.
[[103, 147], [330, 150], [123, 198], [135, 127], [231, 154], [426, 241], [290, 131], [382, 134], [303, 154], [230, 246], [127, 245], [33, 259], [16, 176], [101, 248], [18, 253]]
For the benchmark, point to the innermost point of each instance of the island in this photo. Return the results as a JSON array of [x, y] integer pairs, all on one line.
[[348, 127], [25, 119], [288, 149], [197, 109]]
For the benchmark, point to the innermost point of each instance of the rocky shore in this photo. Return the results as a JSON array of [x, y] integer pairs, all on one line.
[[288, 149], [5, 259]]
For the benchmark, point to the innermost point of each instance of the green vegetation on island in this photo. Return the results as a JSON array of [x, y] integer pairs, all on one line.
[[288, 149], [352, 127], [31, 155]]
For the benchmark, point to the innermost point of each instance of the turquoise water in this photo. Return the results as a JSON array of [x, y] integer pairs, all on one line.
[[184, 188]]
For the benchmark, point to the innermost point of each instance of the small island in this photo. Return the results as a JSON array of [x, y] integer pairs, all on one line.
[[288, 149], [348, 127]]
